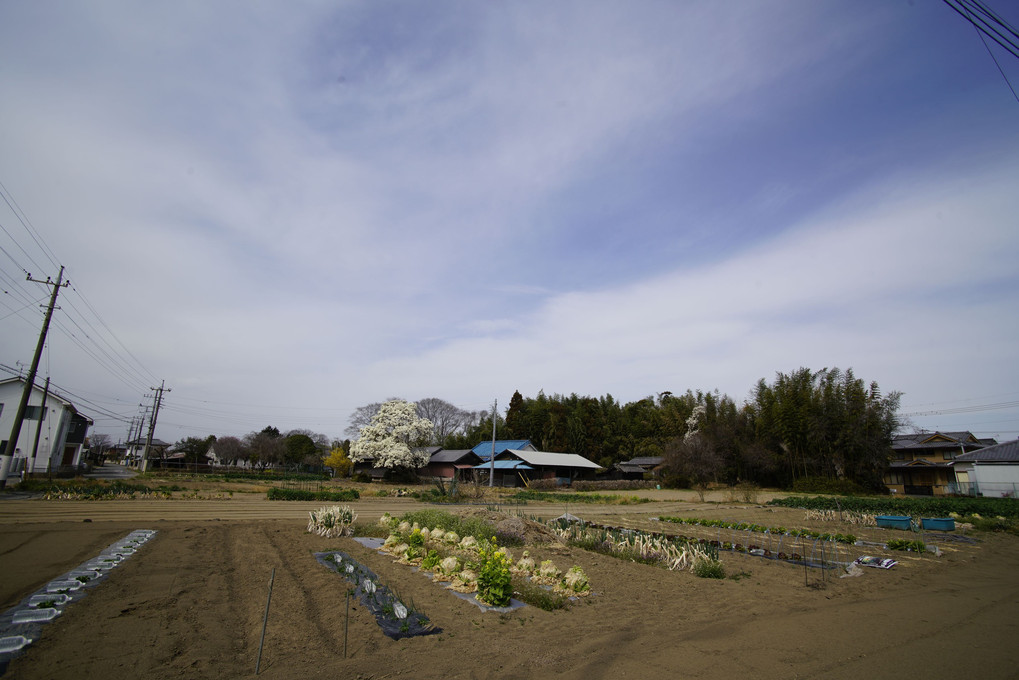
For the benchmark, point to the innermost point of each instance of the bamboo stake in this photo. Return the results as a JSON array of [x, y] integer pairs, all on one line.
[[265, 620]]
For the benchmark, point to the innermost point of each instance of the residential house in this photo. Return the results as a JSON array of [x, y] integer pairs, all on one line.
[[447, 464], [990, 471], [51, 439], [639, 468], [514, 466], [135, 454], [484, 449], [924, 463]]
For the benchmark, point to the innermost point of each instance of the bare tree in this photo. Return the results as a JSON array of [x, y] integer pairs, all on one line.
[[265, 449], [362, 417], [229, 450], [446, 418], [695, 458], [99, 443]]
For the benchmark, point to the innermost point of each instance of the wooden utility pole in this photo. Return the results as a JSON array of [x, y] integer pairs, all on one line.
[[19, 417]]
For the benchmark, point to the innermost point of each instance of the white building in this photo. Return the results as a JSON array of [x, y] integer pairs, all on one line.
[[991, 471], [50, 438]]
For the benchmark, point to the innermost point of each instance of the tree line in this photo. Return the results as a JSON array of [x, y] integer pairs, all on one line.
[[825, 424]]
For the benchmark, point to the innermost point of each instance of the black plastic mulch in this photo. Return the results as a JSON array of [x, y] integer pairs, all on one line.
[[379, 599]]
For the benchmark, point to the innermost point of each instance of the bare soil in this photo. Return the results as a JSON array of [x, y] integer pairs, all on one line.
[[190, 603]]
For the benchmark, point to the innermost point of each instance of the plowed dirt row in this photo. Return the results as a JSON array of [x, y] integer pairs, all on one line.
[[190, 604]]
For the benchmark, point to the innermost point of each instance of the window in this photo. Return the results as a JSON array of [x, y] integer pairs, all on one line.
[[35, 412]]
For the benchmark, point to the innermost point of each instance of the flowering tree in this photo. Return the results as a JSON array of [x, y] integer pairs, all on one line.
[[386, 441]]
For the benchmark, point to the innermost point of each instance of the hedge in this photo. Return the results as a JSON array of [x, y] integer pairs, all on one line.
[[931, 506], [277, 494]]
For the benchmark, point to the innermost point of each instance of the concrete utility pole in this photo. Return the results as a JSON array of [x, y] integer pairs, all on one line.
[[19, 417], [491, 462], [157, 402], [38, 426]]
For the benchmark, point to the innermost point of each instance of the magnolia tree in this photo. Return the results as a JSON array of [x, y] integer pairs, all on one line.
[[386, 441]]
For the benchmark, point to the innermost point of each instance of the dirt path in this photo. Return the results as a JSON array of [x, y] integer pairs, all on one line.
[[190, 604]]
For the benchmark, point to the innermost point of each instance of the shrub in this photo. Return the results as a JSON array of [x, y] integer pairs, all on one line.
[[931, 506], [612, 485], [278, 494], [543, 485], [708, 568]]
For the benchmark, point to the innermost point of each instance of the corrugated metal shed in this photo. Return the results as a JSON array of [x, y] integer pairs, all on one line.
[[545, 459]]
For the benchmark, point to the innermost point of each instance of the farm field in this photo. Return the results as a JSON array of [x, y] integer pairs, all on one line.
[[191, 602]]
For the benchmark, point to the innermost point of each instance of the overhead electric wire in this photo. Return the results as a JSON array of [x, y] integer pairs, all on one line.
[[113, 335], [990, 27], [27, 224]]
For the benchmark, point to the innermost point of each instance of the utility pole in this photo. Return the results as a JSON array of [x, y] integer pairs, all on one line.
[[19, 417], [38, 427], [157, 402], [491, 462]]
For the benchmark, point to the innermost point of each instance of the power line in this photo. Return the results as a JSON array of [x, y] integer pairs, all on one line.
[[987, 23]]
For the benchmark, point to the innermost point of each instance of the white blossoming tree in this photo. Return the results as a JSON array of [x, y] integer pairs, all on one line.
[[386, 441]]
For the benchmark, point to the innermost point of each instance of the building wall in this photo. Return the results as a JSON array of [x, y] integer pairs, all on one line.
[[51, 437]]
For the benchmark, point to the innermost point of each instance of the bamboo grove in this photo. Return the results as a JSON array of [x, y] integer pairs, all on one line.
[[805, 425]]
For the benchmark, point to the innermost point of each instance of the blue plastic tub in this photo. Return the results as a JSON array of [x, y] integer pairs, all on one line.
[[893, 521], [938, 523]]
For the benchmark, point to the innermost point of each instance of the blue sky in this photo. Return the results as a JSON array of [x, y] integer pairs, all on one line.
[[288, 211]]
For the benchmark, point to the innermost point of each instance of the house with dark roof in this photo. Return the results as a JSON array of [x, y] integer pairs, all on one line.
[[638, 468], [447, 464], [990, 471], [515, 466], [923, 463]]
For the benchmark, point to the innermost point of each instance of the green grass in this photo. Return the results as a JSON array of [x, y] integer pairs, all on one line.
[[447, 521], [536, 596]]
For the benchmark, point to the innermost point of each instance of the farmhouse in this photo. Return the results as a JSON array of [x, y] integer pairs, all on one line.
[[639, 468], [990, 471], [924, 463], [514, 466], [447, 464], [484, 449], [51, 438]]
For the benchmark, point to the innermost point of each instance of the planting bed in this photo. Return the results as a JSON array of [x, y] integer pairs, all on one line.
[[23, 624], [395, 618]]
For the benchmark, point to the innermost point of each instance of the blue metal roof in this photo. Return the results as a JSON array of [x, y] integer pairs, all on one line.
[[505, 465], [484, 449]]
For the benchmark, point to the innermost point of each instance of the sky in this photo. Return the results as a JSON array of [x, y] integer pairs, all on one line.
[[289, 210]]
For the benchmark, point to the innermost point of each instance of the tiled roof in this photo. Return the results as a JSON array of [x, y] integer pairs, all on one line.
[[1006, 452], [935, 440], [647, 460], [450, 455]]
